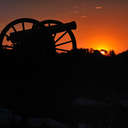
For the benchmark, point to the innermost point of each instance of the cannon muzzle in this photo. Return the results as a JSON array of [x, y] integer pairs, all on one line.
[[63, 27]]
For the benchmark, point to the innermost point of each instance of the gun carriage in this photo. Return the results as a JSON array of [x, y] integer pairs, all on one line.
[[50, 36], [29, 37]]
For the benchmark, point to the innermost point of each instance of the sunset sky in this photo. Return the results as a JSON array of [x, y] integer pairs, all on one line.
[[102, 24]]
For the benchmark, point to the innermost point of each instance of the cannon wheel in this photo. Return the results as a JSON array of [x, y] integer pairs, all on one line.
[[5, 43], [65, 41]]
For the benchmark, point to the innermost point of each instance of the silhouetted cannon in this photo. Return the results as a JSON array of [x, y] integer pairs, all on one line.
[[29, 36], [51, 35]]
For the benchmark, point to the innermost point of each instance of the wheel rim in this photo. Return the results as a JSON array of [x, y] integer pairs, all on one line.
[[15, 26], [64, 41]]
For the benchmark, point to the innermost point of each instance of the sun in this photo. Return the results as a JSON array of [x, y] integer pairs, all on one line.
[[102, 42], [104, 52], [102, 47]]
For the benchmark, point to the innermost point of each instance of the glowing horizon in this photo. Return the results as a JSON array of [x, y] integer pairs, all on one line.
[[101, 24]]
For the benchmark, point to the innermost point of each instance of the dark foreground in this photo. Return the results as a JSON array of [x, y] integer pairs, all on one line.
[[71, 88]]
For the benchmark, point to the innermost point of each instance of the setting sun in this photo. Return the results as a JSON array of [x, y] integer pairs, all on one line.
[[102, 46], [104, 52], [102, 43]]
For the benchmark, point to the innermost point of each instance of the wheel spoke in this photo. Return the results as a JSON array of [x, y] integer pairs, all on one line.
[[62, 50], [61, 37], [14, 29], [49, 25], [23, 26], [34, 26], [7, 37], [64, 43]]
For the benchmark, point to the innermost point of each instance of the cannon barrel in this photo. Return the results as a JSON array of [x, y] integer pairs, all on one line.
[[62, 27], [20, 35]]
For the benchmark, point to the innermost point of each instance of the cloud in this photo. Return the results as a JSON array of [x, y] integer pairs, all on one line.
[[99, 7], [83, 16], [76, 7], [76, 11]]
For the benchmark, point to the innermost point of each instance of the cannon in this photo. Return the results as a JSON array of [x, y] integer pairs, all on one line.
[[50, 36], [28, 36]]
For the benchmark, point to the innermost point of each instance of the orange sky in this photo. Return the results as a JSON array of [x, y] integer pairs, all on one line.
[[102, 24]]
